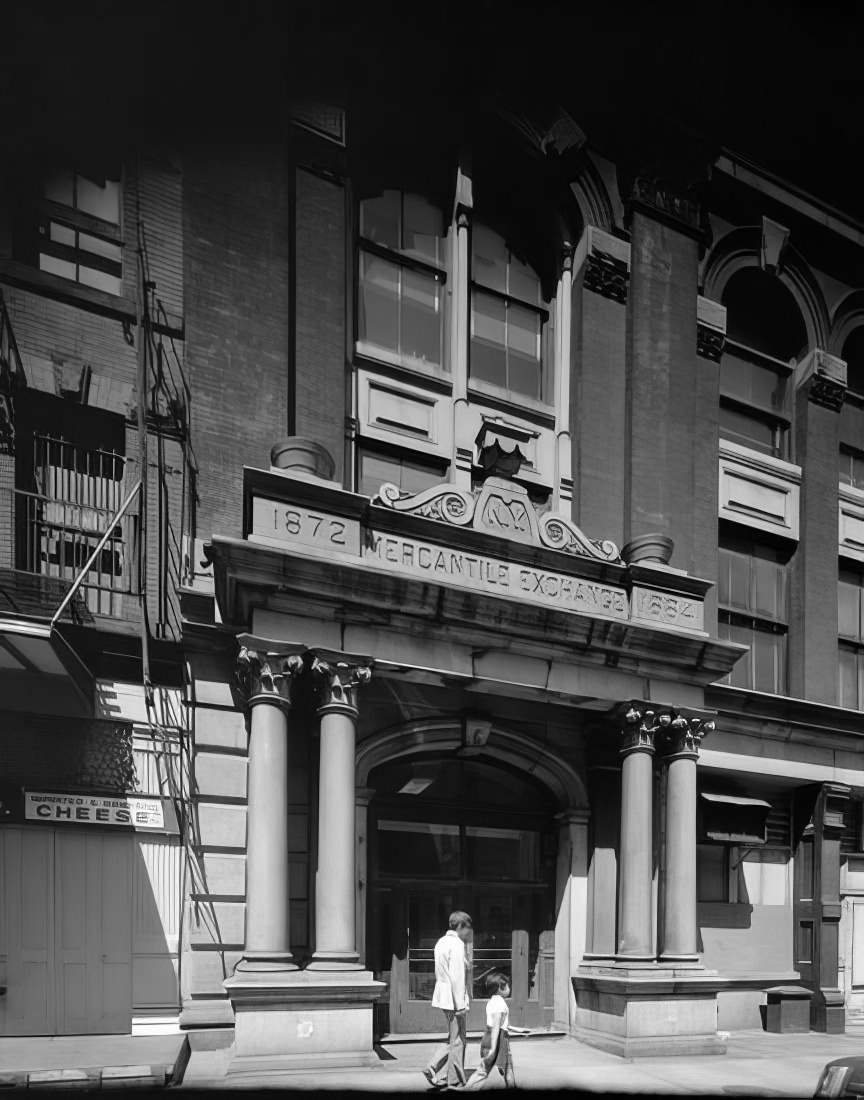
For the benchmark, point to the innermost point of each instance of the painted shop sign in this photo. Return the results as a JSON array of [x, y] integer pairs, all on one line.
[[89, 809]]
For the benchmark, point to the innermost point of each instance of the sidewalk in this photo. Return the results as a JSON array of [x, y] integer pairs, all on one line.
[[756, 1063], [91, 1060]]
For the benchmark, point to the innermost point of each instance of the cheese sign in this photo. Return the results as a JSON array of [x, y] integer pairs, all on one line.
[[86, 809]]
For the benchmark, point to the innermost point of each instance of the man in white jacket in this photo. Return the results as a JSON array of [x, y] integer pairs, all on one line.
[[451, 995]]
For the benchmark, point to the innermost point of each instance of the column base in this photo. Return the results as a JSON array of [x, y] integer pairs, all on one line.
[[690, 961], [647, 1011], [265, 962], [335, 960], [301, 1020]]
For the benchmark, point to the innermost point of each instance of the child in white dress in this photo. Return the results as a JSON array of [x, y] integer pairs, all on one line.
[[495, 1044]]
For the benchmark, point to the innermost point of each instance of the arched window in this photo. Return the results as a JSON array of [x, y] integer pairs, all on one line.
[[765, 334], [508, 318], [401, 278]]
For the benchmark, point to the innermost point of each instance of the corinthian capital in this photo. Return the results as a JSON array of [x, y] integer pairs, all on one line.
[[266, 670], [339, 676], [682, 736], [640, 729]]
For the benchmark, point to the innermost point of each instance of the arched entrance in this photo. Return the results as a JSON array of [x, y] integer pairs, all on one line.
[[458, 826]]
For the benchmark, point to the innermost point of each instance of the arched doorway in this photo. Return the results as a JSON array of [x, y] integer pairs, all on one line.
[[457, 827]]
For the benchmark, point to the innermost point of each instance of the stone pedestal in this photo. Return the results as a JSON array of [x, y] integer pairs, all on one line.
[[648, 1010], [302, 1019]]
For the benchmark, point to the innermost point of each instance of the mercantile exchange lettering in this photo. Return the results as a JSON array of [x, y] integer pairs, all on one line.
[[473, 570]]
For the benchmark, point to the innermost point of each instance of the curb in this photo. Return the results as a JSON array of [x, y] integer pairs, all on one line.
[[107, 1077]]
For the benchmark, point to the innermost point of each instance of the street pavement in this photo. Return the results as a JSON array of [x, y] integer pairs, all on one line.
[[756, 1064]]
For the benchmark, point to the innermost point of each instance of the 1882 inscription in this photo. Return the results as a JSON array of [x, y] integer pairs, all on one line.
[[501, 578]]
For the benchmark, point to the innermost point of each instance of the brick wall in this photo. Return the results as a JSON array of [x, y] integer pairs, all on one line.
[[319, 389], [236, 260], [597, 413], [661, 388], [813, 568]]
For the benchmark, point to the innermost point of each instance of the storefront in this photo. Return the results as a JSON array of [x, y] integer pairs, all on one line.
[[90, 882]]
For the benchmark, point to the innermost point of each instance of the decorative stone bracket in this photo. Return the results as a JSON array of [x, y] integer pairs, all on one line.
[[501, 508], [825, 375]]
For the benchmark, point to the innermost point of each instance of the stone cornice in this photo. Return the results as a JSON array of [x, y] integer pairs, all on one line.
[[248, 574], [661, 200]]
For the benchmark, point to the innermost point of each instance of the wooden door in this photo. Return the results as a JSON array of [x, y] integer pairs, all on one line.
[[93, 889], [853, 938], [27, 962]]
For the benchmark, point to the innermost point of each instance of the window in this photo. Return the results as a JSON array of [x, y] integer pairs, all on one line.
[[508, 317], [70, 487], [401, 279], [765, 335], [712, 872], [850, 627], [79, 228], [852, 467], [411, 477], [752, 597]]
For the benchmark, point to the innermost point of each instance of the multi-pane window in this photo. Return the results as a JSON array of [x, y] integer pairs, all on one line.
[[765, 334], [850, 627], [79, 228], [852, 467], [508, 316], [411, 477], [751, 587], [753, 402], [402, 277]]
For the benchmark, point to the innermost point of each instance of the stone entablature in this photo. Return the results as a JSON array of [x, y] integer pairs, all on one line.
[[494, 542]]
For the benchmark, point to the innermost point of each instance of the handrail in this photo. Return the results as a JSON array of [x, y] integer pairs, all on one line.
[[76, 584]]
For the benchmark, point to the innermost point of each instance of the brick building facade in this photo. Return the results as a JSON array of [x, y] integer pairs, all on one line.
[[491, 484]]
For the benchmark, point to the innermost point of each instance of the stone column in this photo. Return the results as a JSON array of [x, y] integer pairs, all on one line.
[[680, 744], [339, 676], [637, 783], [266, 676]]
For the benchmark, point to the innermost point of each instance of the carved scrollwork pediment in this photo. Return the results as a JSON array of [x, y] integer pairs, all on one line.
[[499, 507]]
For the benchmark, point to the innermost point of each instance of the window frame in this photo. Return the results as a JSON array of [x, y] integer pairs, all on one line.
[[441, 273], [751, 617], [388, 451], [851, 643], [779, 421], [546, 313], [78, 221]]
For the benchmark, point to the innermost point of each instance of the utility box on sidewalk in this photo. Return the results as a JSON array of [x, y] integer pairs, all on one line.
[[788, 1009]]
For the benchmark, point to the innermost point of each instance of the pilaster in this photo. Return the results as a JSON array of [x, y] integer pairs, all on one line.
[[821, 383]]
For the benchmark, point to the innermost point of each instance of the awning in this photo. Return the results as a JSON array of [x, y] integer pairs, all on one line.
[[40, 670], [733, 819], [735, 800]]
